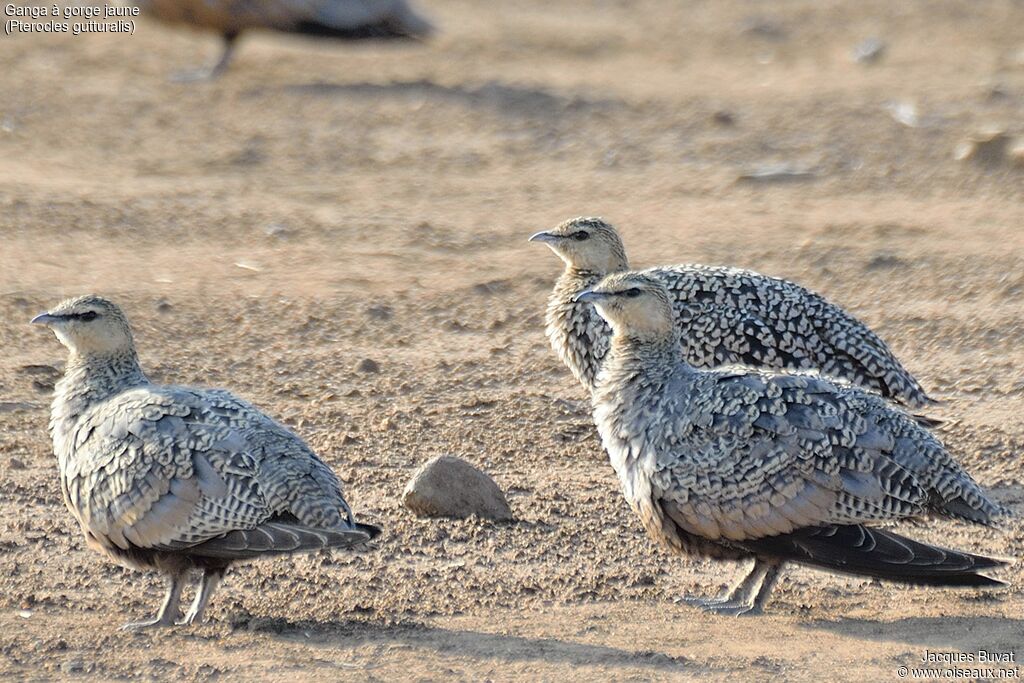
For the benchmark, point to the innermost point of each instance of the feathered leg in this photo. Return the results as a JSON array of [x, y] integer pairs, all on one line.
[[212, 72], [207, 585], [168, 611]]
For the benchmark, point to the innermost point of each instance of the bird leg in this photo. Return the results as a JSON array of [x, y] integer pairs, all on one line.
[[208, 584], [211, 72], [749, 596], [168, 611]]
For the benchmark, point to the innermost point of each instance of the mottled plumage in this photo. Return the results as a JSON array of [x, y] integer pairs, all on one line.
[[173, 478], [737, 462], [338, 19], [724, 315]]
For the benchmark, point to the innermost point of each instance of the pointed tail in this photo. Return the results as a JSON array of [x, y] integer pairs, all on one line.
[[856, 549], [276, 538]]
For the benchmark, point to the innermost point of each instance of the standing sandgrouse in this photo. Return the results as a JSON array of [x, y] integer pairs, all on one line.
[[724, 315], [742, 463], [174, 478]]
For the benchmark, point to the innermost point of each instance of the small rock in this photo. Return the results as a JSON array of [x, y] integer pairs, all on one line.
[[16, 406], [72, 666], [164, 306], [868, 51], [987, 147], [40, 370], [379, 312], [252, 155], [903, 112], [15, 464], [42, 386], [724, 118], [762, 27], [239, 619], [368, 365], [885, 261], [1016, 153], [996, 91], [776, 173], [278, 231], [490, 287], [451, 487], [43, 376]]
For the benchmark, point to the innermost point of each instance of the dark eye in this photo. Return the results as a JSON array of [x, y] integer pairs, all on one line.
[[87, 316], [632, 293], [581, 235]]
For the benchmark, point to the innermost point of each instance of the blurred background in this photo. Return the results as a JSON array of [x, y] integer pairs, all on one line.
[[323, 203]]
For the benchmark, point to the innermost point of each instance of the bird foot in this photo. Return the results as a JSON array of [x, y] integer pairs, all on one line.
[[701, 601], [733, 608], [189, 619], [152, 623]]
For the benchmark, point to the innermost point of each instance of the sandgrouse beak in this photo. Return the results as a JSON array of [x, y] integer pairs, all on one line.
[[546, 237], [589, 296], [44, 319]]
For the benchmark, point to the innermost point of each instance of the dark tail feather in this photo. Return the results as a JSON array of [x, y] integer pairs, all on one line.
[[864, 551], [381, 31], [371, 530], [275, 538], [928, 422]]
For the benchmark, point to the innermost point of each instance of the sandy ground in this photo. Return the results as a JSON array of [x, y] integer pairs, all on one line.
[[324, 203]]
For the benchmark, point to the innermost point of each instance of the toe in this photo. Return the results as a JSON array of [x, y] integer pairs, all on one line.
[[733, 609], [701, 601]]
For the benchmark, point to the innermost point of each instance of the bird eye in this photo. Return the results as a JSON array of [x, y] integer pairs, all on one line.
[[632, 293], [87, 316], [581, 235]]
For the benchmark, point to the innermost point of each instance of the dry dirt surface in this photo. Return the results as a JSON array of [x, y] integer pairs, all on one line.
[[323, 204]]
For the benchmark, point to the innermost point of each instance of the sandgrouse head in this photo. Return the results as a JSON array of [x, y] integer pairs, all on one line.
[[588, 244], [89, 326], [634, 304]]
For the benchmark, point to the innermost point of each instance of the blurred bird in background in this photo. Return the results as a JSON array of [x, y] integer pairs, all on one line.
[[337, 19]]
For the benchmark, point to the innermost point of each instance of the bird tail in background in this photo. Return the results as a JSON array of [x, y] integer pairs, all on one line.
[[362, 20], [856, 549]]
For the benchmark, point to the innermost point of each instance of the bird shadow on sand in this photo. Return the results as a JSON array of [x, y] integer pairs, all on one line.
[[463, 643], [968, 634], [506, 99]]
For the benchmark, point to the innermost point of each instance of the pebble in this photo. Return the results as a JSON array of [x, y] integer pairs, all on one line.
[[868, 51], [16, 406], [451, 487], [987, 147], [775, 173], [368, 365], [72, 666]]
